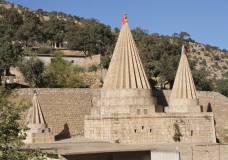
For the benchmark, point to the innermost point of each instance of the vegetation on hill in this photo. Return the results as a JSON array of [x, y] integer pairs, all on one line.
[[58, 74], [21, 29]]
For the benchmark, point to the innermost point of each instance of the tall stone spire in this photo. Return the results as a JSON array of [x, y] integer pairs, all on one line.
[[183, 97], [126, 89], [38, 131], [126, 69]]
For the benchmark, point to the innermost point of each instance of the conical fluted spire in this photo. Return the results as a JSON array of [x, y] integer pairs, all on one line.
[[38, 131], [184, 91], [126, 69], [36, 116], [184, 86]]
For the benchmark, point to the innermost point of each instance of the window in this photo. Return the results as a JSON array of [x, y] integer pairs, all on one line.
[[150, 130], [145, 111], [138, 111], [142, 127], [135, 130]]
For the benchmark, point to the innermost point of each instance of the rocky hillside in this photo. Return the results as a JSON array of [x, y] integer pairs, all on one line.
[[210, 59]]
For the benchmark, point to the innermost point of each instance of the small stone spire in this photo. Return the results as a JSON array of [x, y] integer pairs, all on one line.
[[183, 97], [126, 69], [36, 117], [38, 131]]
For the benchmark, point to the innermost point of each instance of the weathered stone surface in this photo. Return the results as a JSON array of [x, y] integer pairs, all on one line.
[[156, 128], [125, 101], [63, 109], [71, 105]]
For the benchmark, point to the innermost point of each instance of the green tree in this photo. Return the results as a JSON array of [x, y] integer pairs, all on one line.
[[10, 21], [11, 133], [10, 54], [222, 87], [63, 74], [30, 32], [33, 70], [92, 38], [160, 56], [200, 80], [54, 29]]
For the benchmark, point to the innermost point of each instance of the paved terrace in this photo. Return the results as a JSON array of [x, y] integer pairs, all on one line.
[[80, 146]]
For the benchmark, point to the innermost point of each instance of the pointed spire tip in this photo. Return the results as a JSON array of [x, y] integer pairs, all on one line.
[[124, 19]]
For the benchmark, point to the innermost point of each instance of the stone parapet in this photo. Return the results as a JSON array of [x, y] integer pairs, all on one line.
[[125, 101], [156, 128]]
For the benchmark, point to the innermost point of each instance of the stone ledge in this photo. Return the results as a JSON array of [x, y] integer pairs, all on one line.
[[155, 115]]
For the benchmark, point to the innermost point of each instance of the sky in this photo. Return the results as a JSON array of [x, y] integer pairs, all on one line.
[[205, 20]]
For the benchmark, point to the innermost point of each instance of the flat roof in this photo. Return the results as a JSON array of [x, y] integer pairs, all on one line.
[[76, 146]]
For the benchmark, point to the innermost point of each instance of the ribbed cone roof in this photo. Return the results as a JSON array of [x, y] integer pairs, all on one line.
[[126, 69], [36, 116], [184, 87]]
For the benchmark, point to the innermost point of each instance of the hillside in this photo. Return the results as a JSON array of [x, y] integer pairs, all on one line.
[[210, 59], [160, 53]]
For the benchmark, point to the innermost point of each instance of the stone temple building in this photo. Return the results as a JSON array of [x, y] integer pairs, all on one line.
[[126, 119]]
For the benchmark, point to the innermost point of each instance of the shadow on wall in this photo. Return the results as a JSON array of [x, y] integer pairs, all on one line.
[[209, 107], [64, 134], [161, 100]]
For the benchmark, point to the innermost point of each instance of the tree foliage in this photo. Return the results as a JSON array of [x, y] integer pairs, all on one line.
[[10, 54], [92, 38], [58, 74], [54, 29], [31, 30], [63, 74], [160, 55], [222, 87], [201, 83], [33, 71]]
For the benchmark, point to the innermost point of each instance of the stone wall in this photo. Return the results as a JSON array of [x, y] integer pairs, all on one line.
[[63, 109], [81, 61], [128, 101], [156, 128], [209, 102], [67, 107], [199, 151]]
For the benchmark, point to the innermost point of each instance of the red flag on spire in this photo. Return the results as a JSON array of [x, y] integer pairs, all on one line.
[[124, 19], [186, 50]]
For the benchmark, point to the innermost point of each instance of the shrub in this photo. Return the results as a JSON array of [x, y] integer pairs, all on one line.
[[222, 87], [224, 67], [202, 84], [44, 51], [226, 55], [207, 54], [177, 133], [203, 62], [216, 57], [93, 68]]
